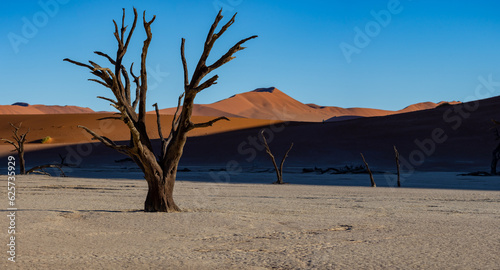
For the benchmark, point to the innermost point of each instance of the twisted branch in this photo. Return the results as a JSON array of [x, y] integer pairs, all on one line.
[[209, 123], [107, 142]]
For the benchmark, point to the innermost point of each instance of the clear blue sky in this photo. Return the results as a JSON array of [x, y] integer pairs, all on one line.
[[428, 51]]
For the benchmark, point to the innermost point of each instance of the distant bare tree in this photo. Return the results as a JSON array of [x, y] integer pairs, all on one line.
[[495, 155], [279, 171], [40, 169], [159, 170], [369, 171], [18, 143], [398, 166]]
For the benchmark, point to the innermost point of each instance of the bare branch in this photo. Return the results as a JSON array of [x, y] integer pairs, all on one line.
[[110, 118], [144, 19], [108, 99], [201, 68], [124, 28], [174, 120], [224, 28], [283, 160], [101, 83], [268, 151], [209, 123], [127, 85], [41, 167], [229, 55], [132, 29], [106, 56], [78, 63], [369, 171], [100, 74], [137, 89], [144, 76], [184, 65], [158, 122], [117, 35], [160, 133], [20, 139], [211, 32], [207, 83], [107, 142], [175, 125], [10, 142]]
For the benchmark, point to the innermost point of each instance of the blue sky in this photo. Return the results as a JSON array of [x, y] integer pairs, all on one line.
[[426, 51]]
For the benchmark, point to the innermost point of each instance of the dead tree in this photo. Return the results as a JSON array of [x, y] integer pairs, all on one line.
[[18, 143], [279, 171], [159, 170], [40, 169], [369, 171], [398, 166], [495, 155]]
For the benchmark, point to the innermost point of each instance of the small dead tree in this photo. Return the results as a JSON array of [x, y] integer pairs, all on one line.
[[159, 169], [495, 155], [40, 169], [398, 166], [369, 171], [18, 143], [279, 171]]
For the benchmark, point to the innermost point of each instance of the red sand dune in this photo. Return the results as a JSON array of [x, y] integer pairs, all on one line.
[[271, 103], [468, 145], [42, 109]]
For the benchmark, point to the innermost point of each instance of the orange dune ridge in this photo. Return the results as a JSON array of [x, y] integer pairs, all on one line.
[[271, 103], [24, 108]]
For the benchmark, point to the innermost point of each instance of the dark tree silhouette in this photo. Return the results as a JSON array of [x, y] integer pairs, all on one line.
[[372, 181], [159, 170], [18, 143], [398, 166], [40, 169], [279, 171], [495, 155]]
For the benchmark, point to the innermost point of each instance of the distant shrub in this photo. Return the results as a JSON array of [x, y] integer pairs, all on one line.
[[47, 139]]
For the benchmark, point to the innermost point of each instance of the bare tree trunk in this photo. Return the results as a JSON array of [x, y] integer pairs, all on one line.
[[160, 195], [396, 153], [369, 172], [22, 163]]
